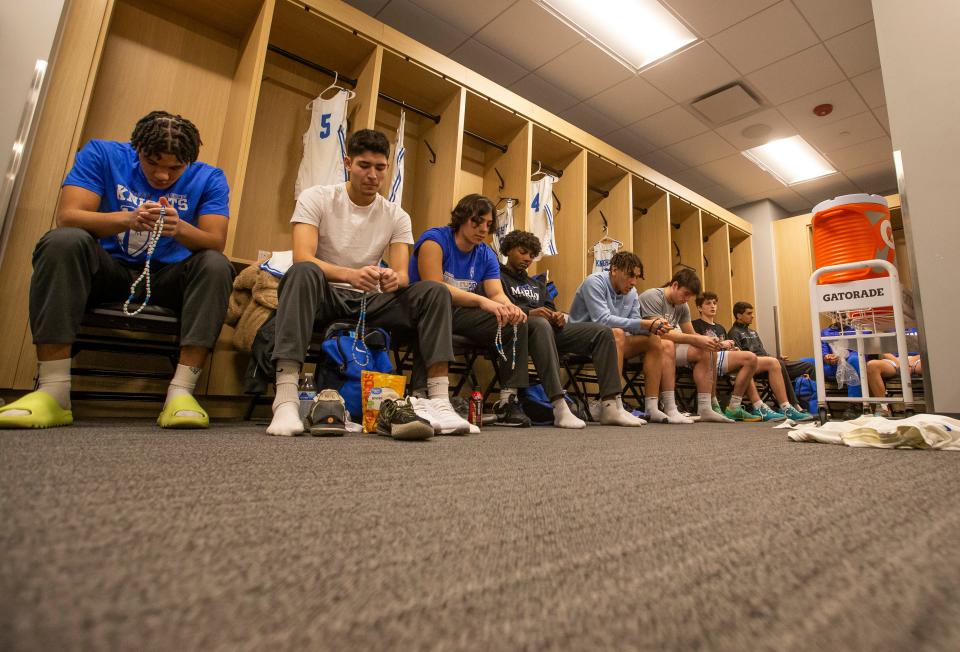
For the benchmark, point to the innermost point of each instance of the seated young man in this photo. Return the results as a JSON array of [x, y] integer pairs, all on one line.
[[109, 208], [682, 346], [748, 339], [888, 366], [831, 360], [550, 334], [340, 235], [458, 256], [707, 304], [610, 298]]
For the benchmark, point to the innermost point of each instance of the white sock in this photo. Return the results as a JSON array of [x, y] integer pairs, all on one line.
[[759, 405], [612, 413], [785, 406], [53, 377], [669, 400], [507, 392], [438, 387], [652, 408], [735, 402], [563, 417], [286, 406], [184, 381], [704, 402]]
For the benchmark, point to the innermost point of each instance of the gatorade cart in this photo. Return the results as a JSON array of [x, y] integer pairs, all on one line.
[[857, 285]]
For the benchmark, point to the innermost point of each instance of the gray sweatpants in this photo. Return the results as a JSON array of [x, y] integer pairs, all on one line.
[[481, 328], [71, 271], [308, 300], [584, 338]]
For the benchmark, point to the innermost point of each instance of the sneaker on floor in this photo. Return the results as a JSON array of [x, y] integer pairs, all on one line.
[[766, 413], [424, 409], [852, 412], [398, 420], [718, 410], [799, 416], [327, 417], [509, 414], [445, 420], [883, 411], [741, 414]]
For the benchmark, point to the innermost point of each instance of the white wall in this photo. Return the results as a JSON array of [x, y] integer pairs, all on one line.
[[27, 30], [919, 55], [761, 215]]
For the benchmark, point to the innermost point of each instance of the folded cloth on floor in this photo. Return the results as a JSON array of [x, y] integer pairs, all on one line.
[[919, 431], [278, 263]]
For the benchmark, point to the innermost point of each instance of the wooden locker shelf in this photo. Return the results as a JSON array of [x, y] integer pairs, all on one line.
[[616, 206], [651, 233]]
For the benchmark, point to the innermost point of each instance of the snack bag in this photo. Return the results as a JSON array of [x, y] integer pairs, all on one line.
[[374, 388]]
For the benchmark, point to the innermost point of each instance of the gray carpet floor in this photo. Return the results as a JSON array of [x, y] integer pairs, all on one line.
[[120, 536]]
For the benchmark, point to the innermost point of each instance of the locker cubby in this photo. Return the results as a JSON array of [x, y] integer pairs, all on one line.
[[605, 178], [651, 232], [686, 247], [741, 270], [716, 248]]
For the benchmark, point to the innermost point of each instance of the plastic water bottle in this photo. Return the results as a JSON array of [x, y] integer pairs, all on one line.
[[307, 393]]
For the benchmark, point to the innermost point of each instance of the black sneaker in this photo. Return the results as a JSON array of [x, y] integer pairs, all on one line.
[[509, 414], [327, 416], [398, 420]]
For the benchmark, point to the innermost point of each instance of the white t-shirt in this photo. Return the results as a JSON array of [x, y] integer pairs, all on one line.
[[349, 235]]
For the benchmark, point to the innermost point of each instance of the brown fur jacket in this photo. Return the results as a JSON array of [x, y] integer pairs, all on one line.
[[253, 298]]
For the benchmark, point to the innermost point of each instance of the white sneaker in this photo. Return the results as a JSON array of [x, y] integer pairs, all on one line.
[[423, 409], [445, 417]]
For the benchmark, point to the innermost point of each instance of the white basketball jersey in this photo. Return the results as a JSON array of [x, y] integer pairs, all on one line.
[[324, 144], [399, 152], [504, 226], [602, 253], [541, 214]]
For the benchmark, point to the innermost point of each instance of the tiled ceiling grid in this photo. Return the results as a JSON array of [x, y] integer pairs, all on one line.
[[791, 54]]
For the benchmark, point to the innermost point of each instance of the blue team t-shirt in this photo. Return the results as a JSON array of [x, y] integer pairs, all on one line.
[[465, 270], [112, 170]]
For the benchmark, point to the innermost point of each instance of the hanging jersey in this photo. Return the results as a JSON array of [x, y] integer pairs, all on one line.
[[504, 226], [541, 214], [602, 253], [399, 152], [324, 144]]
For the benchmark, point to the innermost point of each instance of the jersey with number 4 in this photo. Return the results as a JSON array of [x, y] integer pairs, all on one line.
[[324, 144]]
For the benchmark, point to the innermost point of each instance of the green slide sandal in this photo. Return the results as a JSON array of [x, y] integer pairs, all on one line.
[[185, 403], [43, 411]]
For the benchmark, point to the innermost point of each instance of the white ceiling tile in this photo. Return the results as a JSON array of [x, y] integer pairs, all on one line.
[[738, 174], [877, 178], [628, 141], [701, 149], [878, 150], [691, 73], [692, 179], [368, 6], [856, 51], [831, 17], [591, 120], [797, 75], [468, 17], [422, 26], [881, 113], [870, 85], [481, 59], [543, 93], [789, 201], [663, 163], [631, 100], [825, 188], [722, 196], [845, 133], [528, 35], [669, 126], [779, 126], [584, 70], [710, 16], [843, 96], [766, 37]]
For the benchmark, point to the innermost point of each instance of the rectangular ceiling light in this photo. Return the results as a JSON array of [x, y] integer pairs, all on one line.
[[791, 160], [638, 32]]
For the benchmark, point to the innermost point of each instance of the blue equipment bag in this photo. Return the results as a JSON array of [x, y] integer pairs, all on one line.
[[340, 365], [805, 388]]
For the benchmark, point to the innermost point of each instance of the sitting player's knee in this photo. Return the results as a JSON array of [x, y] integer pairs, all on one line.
[[539, 326], [61, 240], [618, 336]]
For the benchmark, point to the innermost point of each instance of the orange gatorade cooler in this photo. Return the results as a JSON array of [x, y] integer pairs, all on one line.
[[849, 229]]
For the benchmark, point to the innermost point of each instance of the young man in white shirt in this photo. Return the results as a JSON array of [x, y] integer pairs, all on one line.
[[340, 235]]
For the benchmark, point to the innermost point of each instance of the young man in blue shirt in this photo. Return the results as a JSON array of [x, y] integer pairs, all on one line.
[[110, 203]]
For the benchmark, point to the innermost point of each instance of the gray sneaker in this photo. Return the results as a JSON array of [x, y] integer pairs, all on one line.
[[327, 417]]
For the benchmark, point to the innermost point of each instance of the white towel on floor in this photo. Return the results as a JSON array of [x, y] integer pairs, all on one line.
[[919, 431]]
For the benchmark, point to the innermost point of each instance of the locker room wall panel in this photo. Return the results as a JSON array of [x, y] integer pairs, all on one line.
[[514, 167], [651, 234], [436, 186]]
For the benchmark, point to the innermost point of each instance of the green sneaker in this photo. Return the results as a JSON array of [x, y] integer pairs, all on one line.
[[740, 414], [797, 415], [767, 414], [716, 408]]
